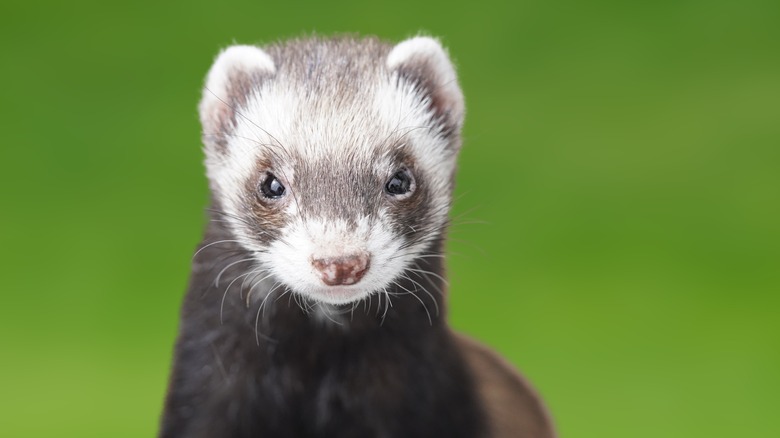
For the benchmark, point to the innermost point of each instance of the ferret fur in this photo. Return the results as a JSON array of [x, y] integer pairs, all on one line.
[[266, 348]]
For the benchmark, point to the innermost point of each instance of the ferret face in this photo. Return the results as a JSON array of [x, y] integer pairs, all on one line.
[[332, 161]]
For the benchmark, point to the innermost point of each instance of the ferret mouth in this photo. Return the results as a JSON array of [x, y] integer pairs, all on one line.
[[339, 294]]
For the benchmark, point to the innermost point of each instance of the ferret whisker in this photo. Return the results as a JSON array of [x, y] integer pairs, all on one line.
[[258, 335], [243, 285], [245, 275], [251, 288], [387, 307], [352, 310], [325, 311], [297, 303], [307, 304], [457, 223], [281, 295], [424, 289], [311, 305], [430, 320], [422, 238], [274, 288], [213, 243], [224, 294], [406, 252], [432, 255], [435, 301], [378, 304], [422, 271], [249, 293], [262, 303], [216, 280]]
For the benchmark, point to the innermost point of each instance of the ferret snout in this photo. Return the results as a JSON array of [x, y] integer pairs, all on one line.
[[342, 271]]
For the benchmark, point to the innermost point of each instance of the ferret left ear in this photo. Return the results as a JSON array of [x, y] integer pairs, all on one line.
[[424, 63], [236, 73]]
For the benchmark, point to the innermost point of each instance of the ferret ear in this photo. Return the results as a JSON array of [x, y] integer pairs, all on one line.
[[236, 72], [424, 63]]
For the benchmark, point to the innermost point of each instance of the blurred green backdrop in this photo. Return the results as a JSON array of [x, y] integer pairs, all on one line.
[[625, 157]]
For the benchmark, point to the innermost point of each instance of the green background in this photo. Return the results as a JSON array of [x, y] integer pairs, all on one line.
[[618, 212]]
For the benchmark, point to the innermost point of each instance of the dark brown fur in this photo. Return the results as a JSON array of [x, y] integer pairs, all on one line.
[[284, 373]]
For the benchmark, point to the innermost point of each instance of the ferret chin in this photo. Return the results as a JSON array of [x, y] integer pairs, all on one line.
[[316, 304]]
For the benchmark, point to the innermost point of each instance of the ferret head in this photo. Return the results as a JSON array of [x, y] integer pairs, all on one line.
[[332, 161]]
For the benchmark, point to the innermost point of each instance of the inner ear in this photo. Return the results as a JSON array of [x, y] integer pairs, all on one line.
[[423, 63], [237, 72]]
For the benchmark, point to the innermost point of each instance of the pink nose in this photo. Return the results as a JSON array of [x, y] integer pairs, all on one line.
[[340, 271]]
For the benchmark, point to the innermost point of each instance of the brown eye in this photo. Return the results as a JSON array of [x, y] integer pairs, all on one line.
[[271, 187], [400, 183]]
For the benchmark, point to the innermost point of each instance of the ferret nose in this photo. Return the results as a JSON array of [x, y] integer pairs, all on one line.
[[344, 271]]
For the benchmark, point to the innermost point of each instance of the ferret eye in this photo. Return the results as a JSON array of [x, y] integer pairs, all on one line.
[[400, 183], [271, 187]]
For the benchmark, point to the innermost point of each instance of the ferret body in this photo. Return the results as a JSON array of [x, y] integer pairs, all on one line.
[[316, 304]]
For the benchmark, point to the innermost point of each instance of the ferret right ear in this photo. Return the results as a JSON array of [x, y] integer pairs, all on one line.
[[236, 73], [424, 63]]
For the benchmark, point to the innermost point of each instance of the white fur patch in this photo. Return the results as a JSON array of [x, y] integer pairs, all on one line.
[[290, 259]]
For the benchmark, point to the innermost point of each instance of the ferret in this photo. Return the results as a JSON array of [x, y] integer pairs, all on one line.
[[317, 301]]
